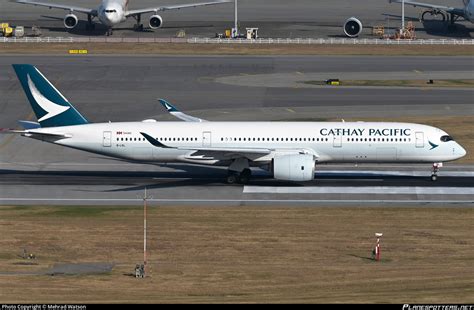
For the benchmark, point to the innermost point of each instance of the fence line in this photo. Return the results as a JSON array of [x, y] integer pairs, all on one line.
[[308, 41], [334, 41]]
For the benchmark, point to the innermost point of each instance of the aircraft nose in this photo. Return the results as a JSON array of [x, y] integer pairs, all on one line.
[[460, 151]]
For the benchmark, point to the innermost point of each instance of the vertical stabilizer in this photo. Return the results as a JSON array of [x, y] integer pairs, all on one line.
[[52, 109]]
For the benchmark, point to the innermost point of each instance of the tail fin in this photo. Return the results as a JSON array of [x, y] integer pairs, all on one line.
[[51, 108]]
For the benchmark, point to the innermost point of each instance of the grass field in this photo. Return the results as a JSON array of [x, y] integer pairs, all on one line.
[[236, 49], [242, 254]]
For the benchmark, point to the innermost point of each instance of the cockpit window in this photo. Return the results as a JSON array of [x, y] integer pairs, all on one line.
[[110, 11], [446, 138]]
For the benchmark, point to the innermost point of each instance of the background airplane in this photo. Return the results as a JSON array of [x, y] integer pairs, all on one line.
[[288, 150], [113, 12], [447, 12]]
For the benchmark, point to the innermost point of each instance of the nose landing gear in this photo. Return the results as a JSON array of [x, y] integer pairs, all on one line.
[[435, 170]]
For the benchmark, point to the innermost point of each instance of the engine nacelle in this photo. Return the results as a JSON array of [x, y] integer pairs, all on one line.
[[294, 167], [70, 21], [352, 27], [156, 21]]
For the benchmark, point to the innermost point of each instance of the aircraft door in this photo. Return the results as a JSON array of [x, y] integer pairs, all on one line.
[[107, 139], [419, 139], [337, 141], [206, 138]]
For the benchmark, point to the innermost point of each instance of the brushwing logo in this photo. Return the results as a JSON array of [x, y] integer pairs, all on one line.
[[52, 109], [433, 146], [167, 106]]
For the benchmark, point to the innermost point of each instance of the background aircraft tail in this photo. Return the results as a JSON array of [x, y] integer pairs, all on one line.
[[52, 109]]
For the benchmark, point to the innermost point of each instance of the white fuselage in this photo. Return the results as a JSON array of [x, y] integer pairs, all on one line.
[[112, 12], [469, 11], [327, 141]]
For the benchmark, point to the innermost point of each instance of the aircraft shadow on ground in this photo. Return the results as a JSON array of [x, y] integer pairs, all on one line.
[[189, 176]]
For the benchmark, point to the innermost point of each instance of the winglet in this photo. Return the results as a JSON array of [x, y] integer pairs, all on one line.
[[177, 113], [154, 142], [168, 106]]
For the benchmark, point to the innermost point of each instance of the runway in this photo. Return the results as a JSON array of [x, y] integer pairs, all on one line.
[[275, 19], [175, 184], [125, 88]]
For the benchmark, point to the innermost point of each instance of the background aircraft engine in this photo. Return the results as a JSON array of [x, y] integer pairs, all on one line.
[[156, 22], [352, 27], [293, 167], [70, 21]]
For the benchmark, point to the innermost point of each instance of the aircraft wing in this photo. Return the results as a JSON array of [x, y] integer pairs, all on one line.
[[456, 11], [228, 152], [173, 7], [221, 152], [60, 6], [177, 113]]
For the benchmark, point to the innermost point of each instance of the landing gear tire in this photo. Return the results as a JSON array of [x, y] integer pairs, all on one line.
[[138, 27], [109, 32], [244, 177], [231, 179]]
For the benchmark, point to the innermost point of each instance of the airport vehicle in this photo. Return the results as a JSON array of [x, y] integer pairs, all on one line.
[[434, 9], [289, 150], [19, 31], [114, 12]]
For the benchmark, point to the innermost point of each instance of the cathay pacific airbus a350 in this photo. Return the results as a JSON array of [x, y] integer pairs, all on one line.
[[113, 12], [289, 150]]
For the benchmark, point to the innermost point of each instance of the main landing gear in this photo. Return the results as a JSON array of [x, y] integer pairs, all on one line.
[[242, 177], [90, 26], [138, 26], [434, 172]]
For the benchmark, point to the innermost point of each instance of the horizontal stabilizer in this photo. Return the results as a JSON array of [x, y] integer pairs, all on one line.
[[32, 133]]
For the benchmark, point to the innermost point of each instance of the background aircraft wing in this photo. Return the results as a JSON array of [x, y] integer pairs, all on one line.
[[60, 6], [456, 11], [173, 7]]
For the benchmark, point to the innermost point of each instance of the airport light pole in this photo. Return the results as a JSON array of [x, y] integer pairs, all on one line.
[[145, 198], [236, 29], [403, 17]]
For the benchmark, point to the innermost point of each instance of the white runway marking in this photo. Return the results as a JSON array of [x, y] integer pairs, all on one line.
[[386, 190]]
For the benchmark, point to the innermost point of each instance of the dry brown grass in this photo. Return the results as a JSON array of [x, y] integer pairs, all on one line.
[[236, 49], [243, 254]]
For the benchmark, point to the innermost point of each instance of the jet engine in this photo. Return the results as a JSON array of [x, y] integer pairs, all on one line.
[[294, 167], [352, 27], [156, 22], [70, 21]]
